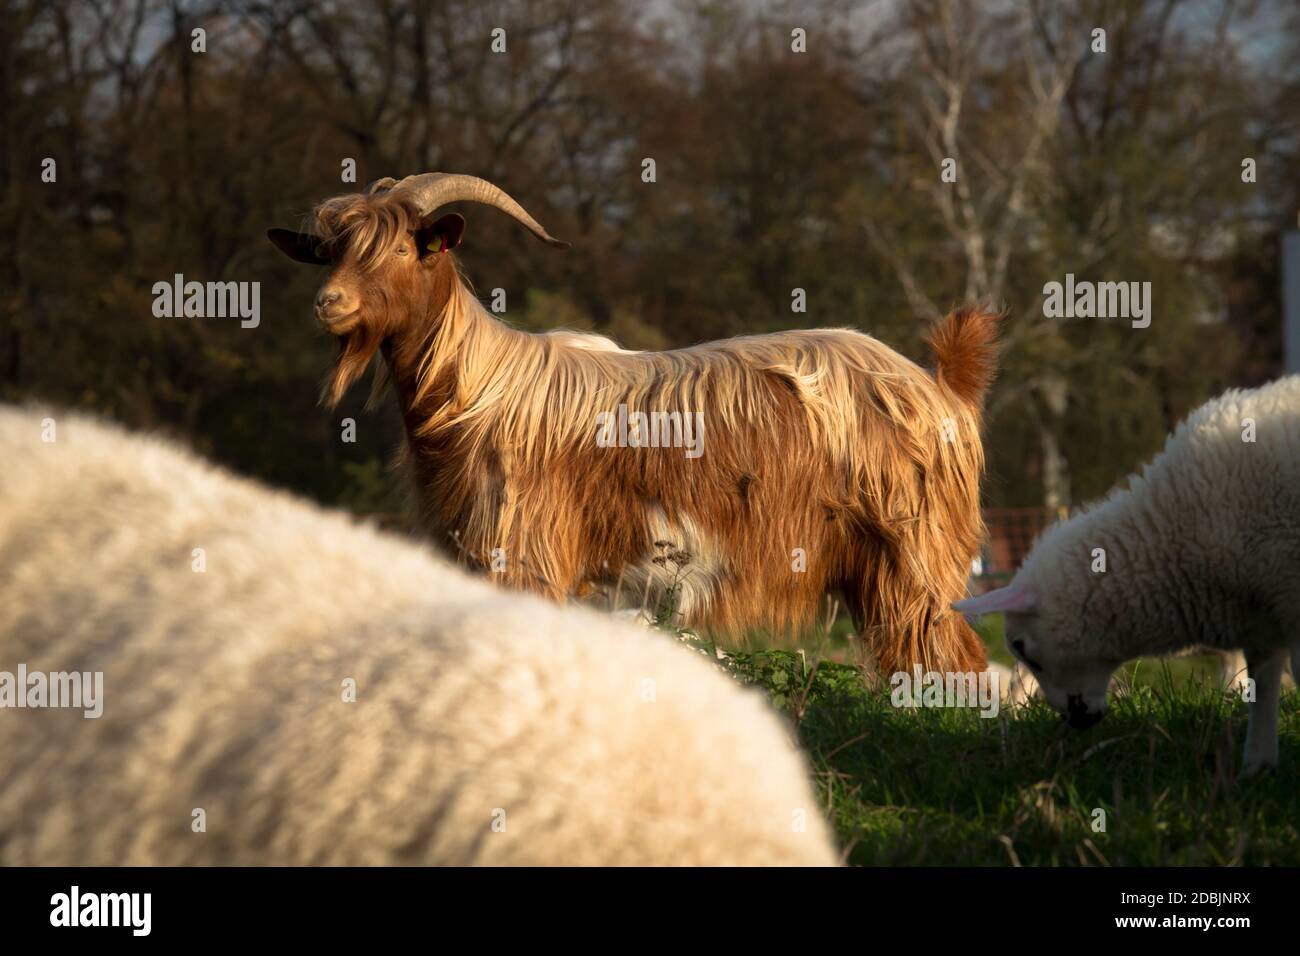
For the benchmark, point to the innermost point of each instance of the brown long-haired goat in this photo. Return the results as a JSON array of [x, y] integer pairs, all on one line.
[[814, 461]]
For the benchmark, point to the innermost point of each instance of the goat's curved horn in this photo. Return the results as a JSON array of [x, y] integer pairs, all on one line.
[[431, 191], [380, 185]]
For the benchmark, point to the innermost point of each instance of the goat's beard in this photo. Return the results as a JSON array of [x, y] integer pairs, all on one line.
[[356, 350]]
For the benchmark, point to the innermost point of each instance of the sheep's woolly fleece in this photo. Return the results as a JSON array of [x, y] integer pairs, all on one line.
[[487, 728], [1206, 534]]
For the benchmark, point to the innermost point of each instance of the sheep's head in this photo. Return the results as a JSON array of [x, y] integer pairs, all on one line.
[[385, 250], [1047, 631]]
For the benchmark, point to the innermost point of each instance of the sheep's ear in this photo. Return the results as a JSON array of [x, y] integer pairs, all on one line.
[[1013, 597], [442, 234], [298, 246]]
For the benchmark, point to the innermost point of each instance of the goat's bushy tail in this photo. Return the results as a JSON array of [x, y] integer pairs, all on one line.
[[965, 351]]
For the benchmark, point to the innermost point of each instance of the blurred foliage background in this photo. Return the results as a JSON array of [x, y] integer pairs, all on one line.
[[775, 170]]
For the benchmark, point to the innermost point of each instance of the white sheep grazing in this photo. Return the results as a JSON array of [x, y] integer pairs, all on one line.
[[232, 624], [1203, 548]]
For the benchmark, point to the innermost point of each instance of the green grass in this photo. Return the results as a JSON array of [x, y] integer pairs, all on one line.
[[944, 786], [947, 787]]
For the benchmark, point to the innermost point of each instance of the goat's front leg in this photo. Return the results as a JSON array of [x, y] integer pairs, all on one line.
[[1265, 669]]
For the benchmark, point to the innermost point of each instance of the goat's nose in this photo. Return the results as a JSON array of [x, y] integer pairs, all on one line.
[[327, 297]]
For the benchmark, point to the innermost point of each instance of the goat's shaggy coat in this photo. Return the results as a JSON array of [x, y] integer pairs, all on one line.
[[487, 727], [1202, 548], [831, 464]]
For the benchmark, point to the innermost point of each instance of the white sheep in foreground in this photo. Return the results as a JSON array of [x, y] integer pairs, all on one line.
[[487, 728], [1203, 548]]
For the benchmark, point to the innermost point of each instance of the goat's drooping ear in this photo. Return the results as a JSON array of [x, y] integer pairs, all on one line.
[[442, 234], [298, 246]]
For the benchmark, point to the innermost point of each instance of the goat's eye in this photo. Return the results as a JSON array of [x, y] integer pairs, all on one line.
[[401, 250]]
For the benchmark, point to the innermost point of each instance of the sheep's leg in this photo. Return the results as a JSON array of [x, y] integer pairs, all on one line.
[[1265, 669]]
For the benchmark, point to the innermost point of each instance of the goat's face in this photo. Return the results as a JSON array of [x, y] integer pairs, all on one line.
[[383, 263], [388, 274], [386, 269]]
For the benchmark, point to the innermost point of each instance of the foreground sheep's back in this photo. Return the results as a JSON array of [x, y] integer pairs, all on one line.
[[486, 728]]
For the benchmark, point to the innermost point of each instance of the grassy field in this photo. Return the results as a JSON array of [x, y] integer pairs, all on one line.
[[947, 787]]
